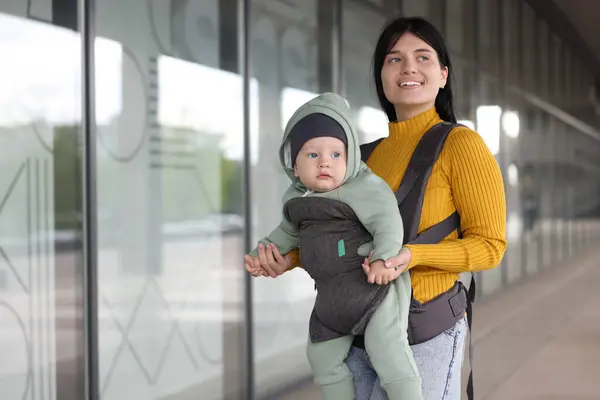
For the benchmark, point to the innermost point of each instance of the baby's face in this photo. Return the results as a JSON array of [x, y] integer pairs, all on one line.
[[321, 164]]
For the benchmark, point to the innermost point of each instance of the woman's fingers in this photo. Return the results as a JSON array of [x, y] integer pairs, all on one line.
[[393, 262], [270, 249], [400, 261], [282, 263], [263, 257]]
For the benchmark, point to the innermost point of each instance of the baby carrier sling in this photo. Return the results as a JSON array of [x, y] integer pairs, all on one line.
[[429, 319]]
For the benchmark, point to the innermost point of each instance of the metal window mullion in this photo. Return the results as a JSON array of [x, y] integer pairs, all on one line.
[[244, 7], [89, 197]]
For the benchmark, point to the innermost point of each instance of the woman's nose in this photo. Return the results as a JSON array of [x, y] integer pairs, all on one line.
[[408, 68]]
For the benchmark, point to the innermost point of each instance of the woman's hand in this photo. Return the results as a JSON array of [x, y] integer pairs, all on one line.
[[268, 263], [399, 263]]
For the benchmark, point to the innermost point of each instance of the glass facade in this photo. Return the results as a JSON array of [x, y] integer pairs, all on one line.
[[140, 162], [169, 140], [284, 59], [41, 253]]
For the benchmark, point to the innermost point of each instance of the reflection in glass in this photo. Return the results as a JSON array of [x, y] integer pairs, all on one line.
[[40, 108], [170, 318], [284, 64], [170, 229]]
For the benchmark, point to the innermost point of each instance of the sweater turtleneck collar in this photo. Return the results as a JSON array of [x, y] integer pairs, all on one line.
[[415, 126]]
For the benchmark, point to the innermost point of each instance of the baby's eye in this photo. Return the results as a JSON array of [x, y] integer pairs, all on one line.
[[312, 155], [336, 154]]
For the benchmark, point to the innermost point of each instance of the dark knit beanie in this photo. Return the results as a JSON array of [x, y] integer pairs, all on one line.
[[312, 126]]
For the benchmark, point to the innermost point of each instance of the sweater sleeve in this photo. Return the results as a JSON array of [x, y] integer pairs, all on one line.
[[294, 259], [478, 195]]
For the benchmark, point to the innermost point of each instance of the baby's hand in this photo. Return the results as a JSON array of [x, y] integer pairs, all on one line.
[[379, 274], [252, 265]]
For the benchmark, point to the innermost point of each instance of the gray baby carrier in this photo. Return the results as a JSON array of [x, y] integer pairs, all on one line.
[[429, 319]]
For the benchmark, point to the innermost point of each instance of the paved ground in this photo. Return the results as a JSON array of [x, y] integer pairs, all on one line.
[[538, 340]]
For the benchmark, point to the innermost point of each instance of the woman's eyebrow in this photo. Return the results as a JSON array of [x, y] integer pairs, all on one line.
[[414, 51]]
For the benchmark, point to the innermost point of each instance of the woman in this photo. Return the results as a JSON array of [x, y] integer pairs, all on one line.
[[411, 74]]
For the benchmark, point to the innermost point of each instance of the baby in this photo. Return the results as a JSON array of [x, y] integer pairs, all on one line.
[[336, 210]]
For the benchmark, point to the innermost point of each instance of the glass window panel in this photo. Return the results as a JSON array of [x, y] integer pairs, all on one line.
[[285, 71], [169, 125], [40, 207]]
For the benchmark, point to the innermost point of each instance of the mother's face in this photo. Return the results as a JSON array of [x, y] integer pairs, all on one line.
[[412, 76]]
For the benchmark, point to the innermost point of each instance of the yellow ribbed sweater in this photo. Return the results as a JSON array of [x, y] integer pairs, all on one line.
[[466, 178]]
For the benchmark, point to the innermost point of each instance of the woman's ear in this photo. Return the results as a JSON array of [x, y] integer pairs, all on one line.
[[295, 170], [444, 78]]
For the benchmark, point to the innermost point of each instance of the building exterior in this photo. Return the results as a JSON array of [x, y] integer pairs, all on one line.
[[140, 162]]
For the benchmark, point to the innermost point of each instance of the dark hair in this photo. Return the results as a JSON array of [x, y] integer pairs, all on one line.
[[427, 32]]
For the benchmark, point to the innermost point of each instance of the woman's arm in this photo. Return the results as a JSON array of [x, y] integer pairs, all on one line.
[[478, 194]]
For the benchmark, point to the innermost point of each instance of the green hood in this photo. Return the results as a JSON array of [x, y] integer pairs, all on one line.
[[336, 107]]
